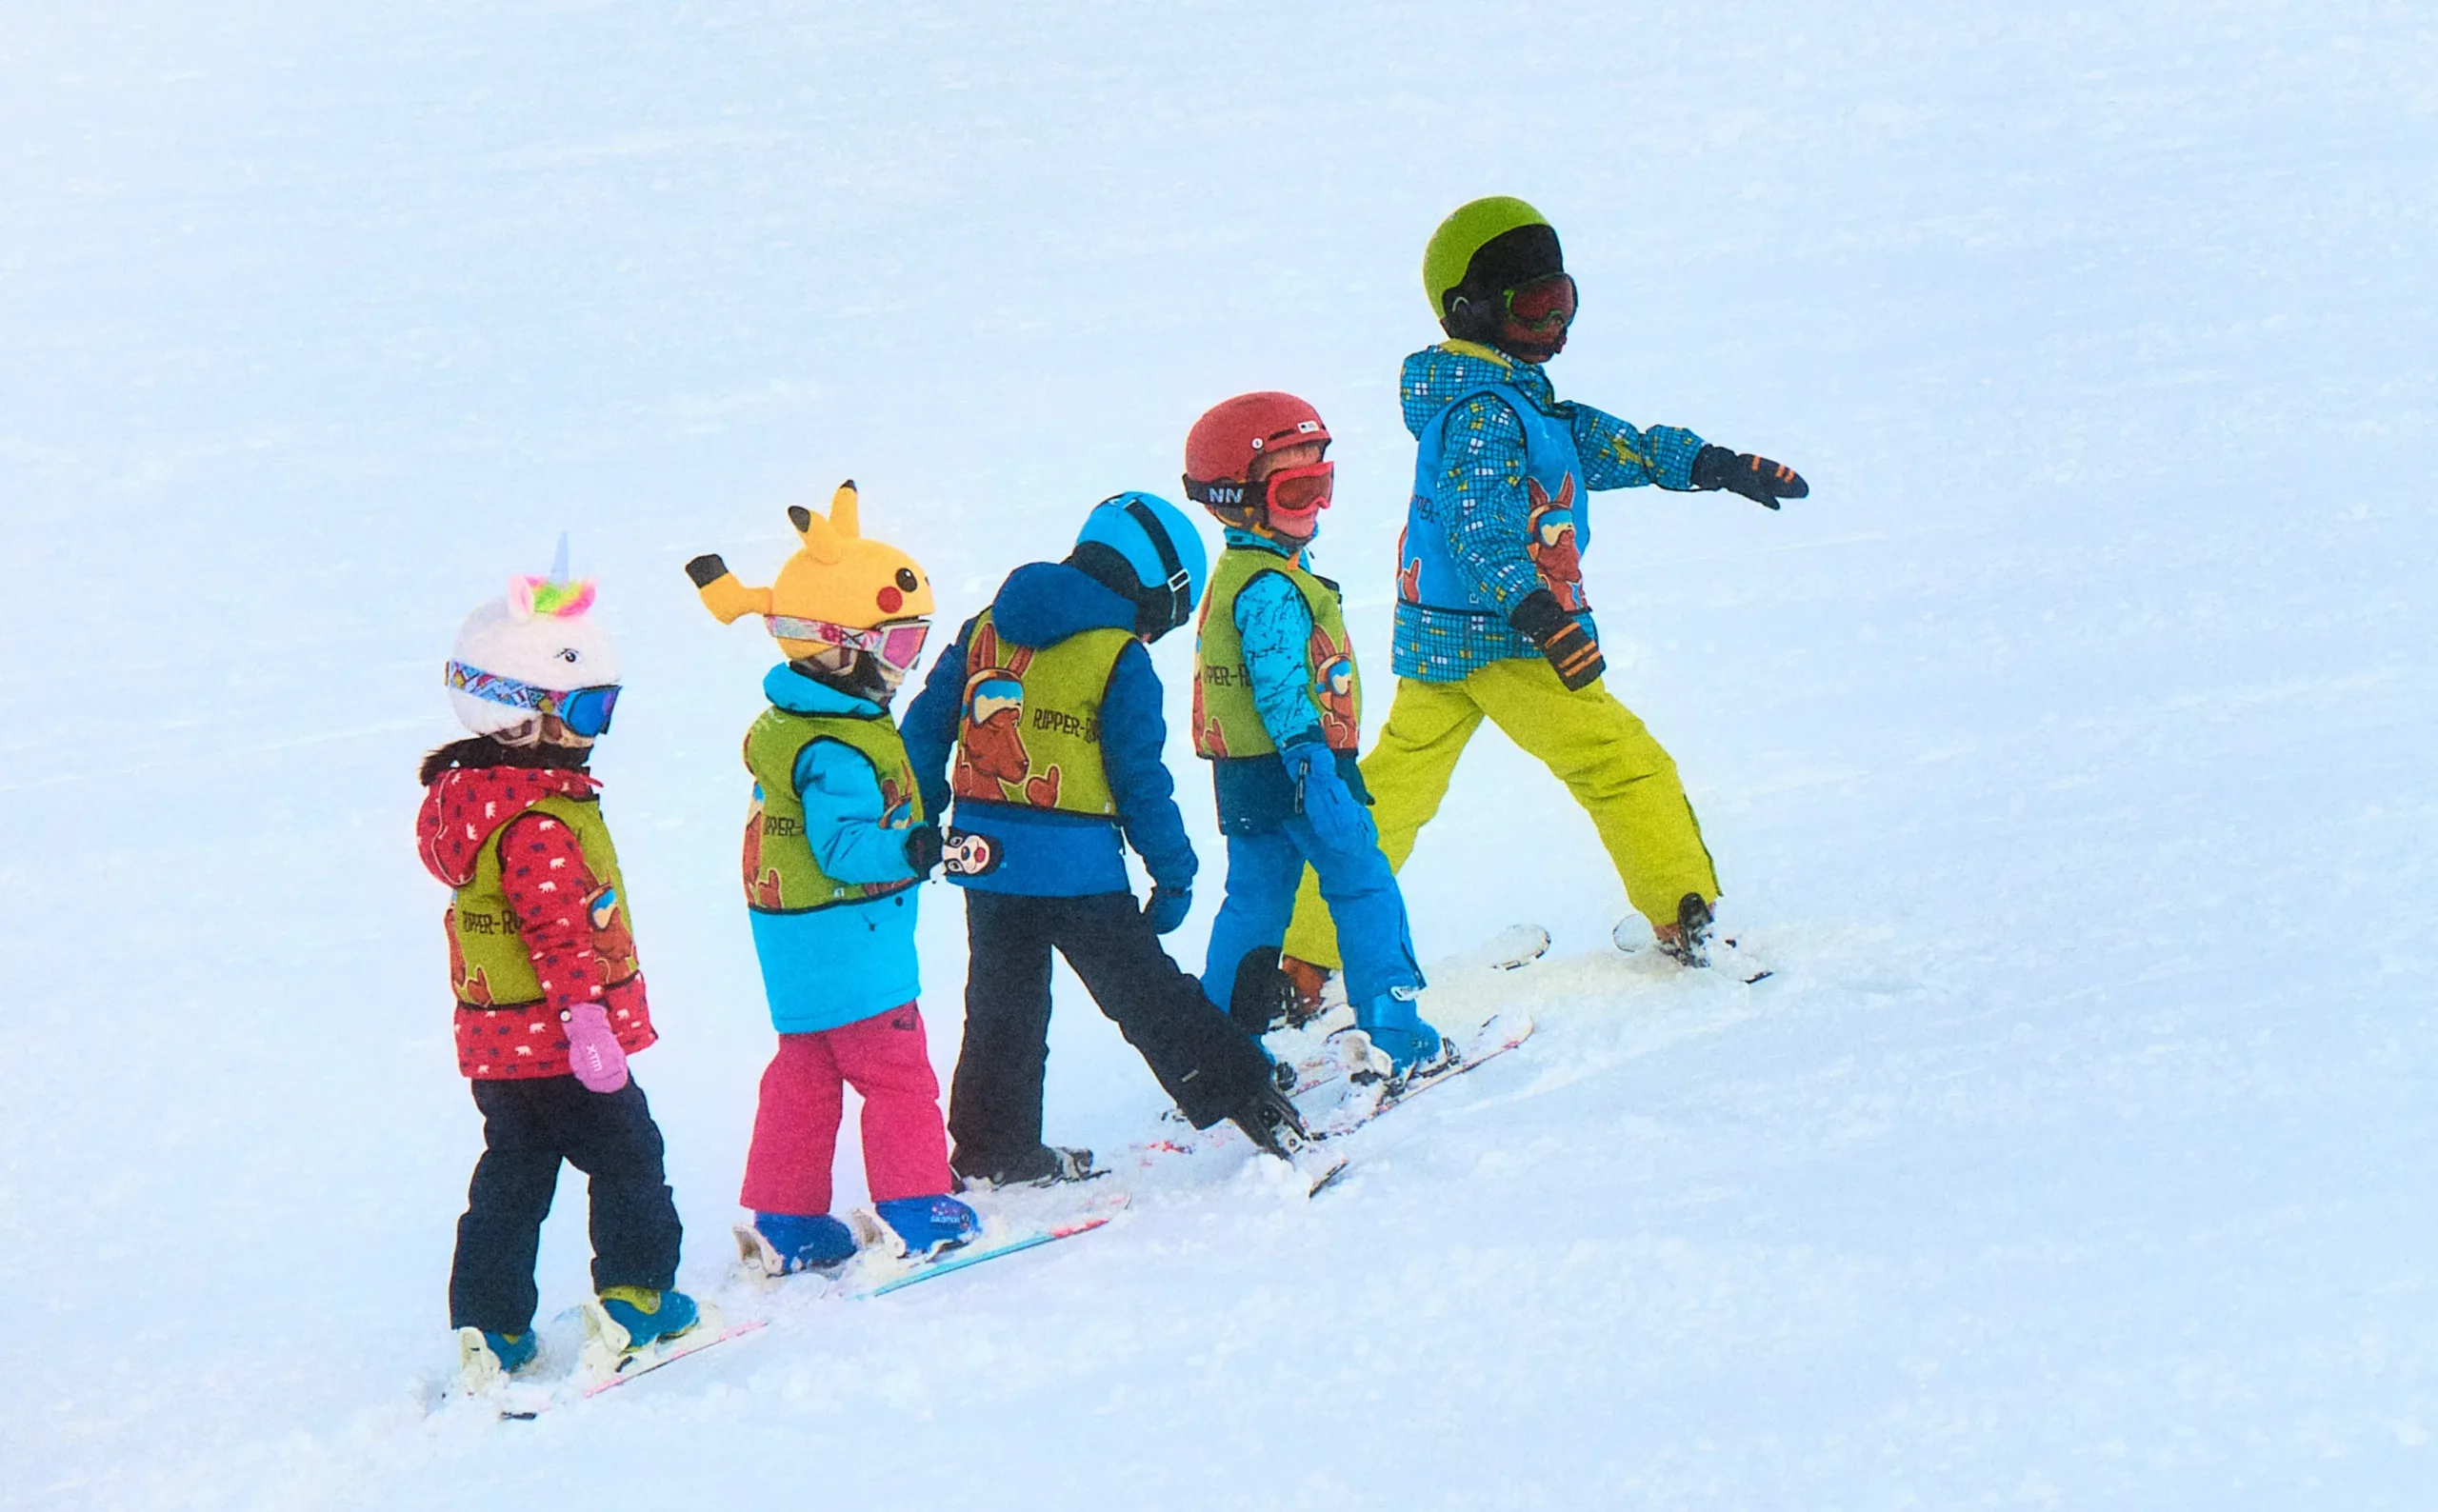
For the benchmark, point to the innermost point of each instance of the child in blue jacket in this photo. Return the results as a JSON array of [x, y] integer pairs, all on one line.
[[1043, 723], [835, 849], [1278, 712]]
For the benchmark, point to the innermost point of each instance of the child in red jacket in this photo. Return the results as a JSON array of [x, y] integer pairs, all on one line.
[[542, 961]]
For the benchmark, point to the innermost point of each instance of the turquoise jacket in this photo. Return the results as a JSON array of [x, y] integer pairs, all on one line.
[[846, 963], [1499, 505]]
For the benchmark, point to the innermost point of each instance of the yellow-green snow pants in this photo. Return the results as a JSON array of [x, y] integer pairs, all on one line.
[[1594, 744]]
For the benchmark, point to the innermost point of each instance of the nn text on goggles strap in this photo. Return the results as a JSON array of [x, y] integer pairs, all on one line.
[[1289, 488]]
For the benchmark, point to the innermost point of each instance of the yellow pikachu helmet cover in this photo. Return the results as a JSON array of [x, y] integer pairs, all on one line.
[[836, 577]]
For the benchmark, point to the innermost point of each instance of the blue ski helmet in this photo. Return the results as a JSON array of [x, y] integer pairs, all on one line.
[[1145, 547]]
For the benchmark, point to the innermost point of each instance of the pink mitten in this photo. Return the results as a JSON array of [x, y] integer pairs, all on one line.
[[592, 1049]]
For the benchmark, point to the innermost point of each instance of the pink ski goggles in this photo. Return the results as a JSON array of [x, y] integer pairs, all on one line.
[[897, 644]]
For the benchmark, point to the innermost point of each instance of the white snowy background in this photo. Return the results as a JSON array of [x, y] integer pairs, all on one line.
[[2068, 751]]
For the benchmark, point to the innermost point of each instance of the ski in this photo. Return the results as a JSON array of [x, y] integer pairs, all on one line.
[[602, 1364], [1314, 1065], [874, 1273], [607, 1359], [1492, 1040], [1723, 954], [668, 1351]]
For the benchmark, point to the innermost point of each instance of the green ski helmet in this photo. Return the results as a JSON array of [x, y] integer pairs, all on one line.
[[1486, 248]]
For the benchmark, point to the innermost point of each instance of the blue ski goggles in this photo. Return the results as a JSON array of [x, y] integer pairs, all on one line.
[[585, 710]]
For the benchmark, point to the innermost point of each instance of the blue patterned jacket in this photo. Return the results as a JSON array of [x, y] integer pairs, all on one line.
[[1479, 490]]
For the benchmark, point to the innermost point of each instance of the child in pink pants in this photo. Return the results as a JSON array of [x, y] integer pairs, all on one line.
[[795, 1131], [835, 851]]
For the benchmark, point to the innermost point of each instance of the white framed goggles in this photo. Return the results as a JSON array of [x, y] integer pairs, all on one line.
[[897, 644], [584, 710]]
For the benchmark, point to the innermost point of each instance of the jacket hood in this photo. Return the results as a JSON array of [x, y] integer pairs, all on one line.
[[466, 806], [1436, 377], [799, 692], [1043, 603]]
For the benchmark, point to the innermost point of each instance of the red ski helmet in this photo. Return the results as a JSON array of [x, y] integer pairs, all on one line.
[[1219, 449]]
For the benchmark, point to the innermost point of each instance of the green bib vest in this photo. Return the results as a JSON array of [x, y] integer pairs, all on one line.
[[782, 875], [1029, 727], [488, 960], [1225, 720]]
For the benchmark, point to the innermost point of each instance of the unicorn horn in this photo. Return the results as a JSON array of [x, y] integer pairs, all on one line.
[[559, 563]]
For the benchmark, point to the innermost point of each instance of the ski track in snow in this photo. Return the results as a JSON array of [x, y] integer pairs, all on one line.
[[2065, 754]]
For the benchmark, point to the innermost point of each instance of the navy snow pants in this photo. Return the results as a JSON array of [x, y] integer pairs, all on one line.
[[528, 1128], [1193, 1048]]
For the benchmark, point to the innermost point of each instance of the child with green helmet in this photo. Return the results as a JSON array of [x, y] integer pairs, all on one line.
[[1492, 618]]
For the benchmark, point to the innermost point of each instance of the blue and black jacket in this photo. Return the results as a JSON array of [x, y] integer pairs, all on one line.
[[1043, 853]]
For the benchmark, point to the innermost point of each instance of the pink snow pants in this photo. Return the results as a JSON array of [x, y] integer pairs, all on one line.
[[795, 1131]]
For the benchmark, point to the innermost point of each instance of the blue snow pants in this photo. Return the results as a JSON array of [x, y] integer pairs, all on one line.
[[1357, 884]]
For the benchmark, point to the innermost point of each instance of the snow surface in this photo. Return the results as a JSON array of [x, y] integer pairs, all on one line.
[[2066, 752]]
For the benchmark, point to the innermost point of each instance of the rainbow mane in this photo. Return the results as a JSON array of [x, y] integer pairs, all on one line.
[[562, 601]]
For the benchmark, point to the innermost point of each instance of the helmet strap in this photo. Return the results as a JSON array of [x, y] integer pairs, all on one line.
[[1159, 608]]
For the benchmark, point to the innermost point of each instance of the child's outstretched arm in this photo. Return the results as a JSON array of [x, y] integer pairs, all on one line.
[[846, 817], [1616, 455]]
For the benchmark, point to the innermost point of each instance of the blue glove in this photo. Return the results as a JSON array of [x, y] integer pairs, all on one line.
[[1167, 907], [1321, 796]]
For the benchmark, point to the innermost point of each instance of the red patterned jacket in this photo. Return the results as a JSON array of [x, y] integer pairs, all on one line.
[[546, 881]]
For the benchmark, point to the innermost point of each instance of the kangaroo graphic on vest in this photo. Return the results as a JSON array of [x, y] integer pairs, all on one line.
[[1409, 573], [473, 987], [1552, 543], [611, 940], [761, 883], [1333, 690], [991, 762]]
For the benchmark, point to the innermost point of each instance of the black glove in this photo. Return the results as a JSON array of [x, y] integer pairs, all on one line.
[[707, 571], [1757, 478], [1561, 638], [923, 848]]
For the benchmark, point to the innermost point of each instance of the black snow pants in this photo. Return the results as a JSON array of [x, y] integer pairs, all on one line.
[[1201, 1059], [529, 1126]]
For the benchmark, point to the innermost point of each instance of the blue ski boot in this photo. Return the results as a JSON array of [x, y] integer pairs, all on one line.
[[513, 1351], [929, 1225], [1405, 1044], [483, 1358], [648, 1315], [789, 1244]]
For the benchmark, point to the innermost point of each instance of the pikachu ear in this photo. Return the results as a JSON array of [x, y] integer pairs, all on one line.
[[821, 540], [846, 513]]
